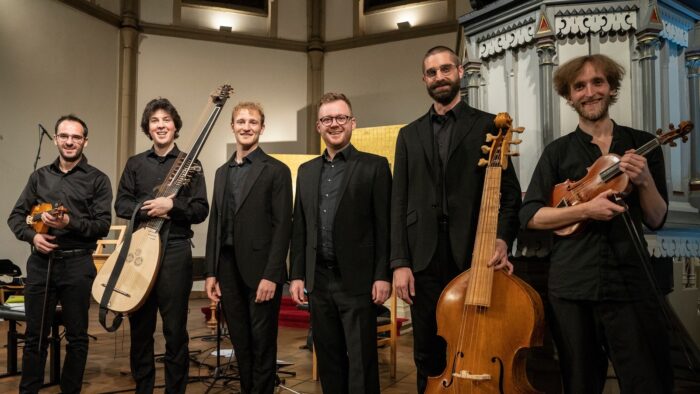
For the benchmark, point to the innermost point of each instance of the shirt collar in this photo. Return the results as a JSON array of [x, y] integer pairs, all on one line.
[[453, 113], [82, 164], [343, 154], [250, 157], [589, 138], [175, 152]]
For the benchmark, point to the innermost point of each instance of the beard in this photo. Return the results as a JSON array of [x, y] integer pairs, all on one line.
[[72, 157], [594, 114], [446, 96]]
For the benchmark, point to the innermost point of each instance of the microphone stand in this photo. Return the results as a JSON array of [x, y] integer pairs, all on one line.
[[42, 132]]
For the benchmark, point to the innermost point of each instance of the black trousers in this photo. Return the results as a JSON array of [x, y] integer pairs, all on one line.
[[252, 326], [70, 285], [631, 333], [170, 295], [345, 336], [429, 349]]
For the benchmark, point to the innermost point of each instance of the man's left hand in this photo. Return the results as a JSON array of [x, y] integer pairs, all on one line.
[[266, 290], [635, 167], [381, 290], [500, 257], [158, 207], [52, 221]]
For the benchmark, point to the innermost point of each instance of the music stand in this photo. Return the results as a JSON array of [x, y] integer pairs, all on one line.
[[219, 369]]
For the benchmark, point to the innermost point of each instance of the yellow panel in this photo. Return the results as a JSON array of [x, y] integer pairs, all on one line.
[[293, 161], [379, 140]]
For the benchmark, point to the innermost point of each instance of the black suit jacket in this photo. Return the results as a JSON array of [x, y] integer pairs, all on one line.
[[263, 222], [414, 204], [361, 226]]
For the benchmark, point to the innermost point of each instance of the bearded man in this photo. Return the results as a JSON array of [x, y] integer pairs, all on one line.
[[435, 202]]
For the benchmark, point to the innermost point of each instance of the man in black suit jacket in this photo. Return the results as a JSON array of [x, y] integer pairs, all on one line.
[[340, 247], [435, 203], [247, 243]]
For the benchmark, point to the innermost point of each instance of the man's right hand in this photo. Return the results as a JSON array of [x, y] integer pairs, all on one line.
[[405, 284], [296, 289], [212, 287], [601, 208], [42, 243]]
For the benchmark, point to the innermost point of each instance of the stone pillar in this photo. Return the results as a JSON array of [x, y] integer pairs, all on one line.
[[647, 44], [470, 83], [128, 59], [692, 62], [545, 52], [315, 52]]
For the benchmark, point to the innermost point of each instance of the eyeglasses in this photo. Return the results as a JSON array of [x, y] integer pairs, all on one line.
[[444, 69], [78, 139], [340, 119]]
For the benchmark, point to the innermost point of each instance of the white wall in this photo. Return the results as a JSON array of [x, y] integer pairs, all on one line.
[[383, 81], [187, 71], [291, 20], [49, 67]]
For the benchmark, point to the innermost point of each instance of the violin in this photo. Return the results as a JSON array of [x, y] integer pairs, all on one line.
[[34, 218], [605, 174]]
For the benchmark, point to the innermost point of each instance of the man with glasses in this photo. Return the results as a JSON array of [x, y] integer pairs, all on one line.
[[65, 249], [435, 204], [340, 250]]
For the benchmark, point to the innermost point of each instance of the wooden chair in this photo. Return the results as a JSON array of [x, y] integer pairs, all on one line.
[[384, 325], [106, 246]]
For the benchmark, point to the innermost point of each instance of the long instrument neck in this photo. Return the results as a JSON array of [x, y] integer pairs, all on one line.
[[481, 281], [180, 171]]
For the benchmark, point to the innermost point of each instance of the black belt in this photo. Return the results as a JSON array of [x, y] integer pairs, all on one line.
[[65, 254]]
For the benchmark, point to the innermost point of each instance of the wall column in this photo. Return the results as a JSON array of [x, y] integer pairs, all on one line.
[[470, 83], [545, 52], [315, 75], [128, 61], [647, 43], [692, 62]]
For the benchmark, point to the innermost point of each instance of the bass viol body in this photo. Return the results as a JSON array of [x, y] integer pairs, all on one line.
[[488, 318]]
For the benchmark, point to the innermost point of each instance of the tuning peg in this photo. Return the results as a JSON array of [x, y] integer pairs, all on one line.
[[485, 149], [672, 144], [671, 126], [483, 162], [513, 154], [516, 141], [684, 138], [519, 129], [659, 131], [490, 137]]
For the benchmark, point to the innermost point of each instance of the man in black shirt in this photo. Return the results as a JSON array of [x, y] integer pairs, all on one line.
[[67, 248], [339, 253], [435, 201], [603, 304], [247, 244], [171, 291]]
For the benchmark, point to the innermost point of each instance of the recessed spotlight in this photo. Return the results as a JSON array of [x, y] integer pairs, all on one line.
[[404, 25], [227, 29]]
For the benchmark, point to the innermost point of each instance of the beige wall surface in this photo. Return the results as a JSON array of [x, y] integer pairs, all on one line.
[[383, 81], [187, 71], [53, 60]]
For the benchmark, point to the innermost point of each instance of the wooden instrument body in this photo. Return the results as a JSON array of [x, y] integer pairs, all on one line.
[[34, 217], [488, 317], [568, 193], [605, 174], [496, 336], [136, 278]]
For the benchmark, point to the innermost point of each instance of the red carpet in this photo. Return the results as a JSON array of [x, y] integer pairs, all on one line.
[[291, 316]]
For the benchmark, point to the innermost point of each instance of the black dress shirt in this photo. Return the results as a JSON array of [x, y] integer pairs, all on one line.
[[237, 175], [143, 174], [442, 135], [84, 190], [332, 174], [600, 263]]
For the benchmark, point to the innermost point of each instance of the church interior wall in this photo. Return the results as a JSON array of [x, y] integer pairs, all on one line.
[[50, 66], [383, 81], [187, 71]]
